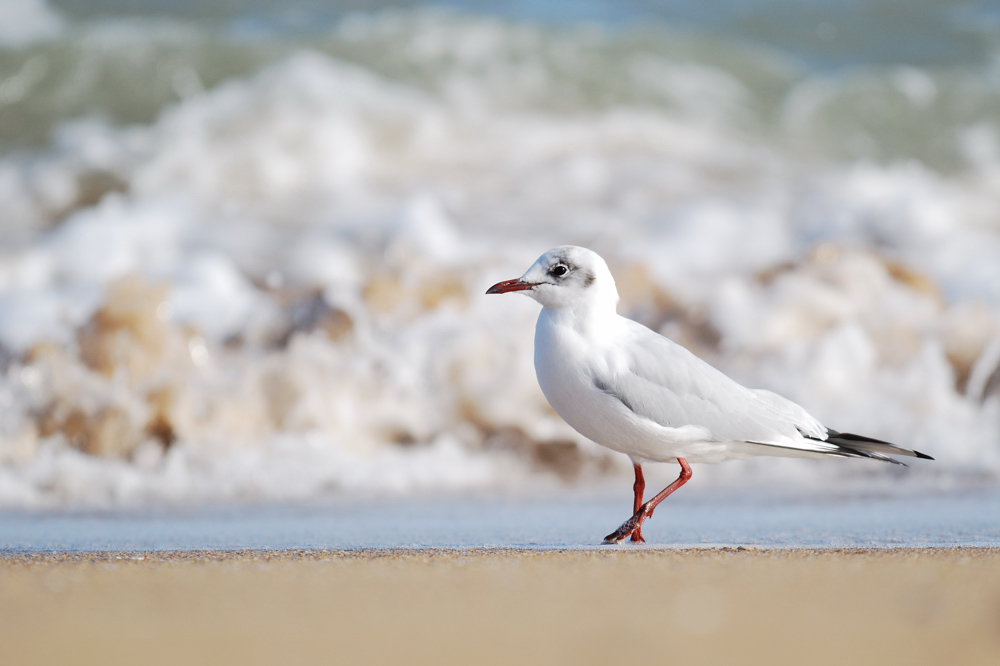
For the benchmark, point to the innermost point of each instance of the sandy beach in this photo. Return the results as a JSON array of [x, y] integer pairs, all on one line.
[[719, 605]]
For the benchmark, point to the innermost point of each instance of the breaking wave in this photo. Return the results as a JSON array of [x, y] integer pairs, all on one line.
[[254, 268]]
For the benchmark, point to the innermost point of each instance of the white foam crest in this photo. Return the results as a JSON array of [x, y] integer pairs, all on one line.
[[285, 469]]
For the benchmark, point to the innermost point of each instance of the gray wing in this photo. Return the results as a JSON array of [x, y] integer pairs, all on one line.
[[665, 383]]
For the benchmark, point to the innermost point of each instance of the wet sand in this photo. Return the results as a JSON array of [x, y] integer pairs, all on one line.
[[486, 606]]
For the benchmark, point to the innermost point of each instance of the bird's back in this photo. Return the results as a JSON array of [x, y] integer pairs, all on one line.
[[670, 385]]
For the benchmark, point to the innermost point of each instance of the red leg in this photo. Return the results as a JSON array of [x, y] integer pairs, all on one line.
[[639, 488], [634, 523]]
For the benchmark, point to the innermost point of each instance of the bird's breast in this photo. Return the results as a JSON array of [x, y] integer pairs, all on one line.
[[561, 366], [566, 365]]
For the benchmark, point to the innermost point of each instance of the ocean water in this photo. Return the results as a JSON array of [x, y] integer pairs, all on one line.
[[566, 520], [244, 245]]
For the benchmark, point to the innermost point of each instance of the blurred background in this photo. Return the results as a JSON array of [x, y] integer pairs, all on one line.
[[244, 244]]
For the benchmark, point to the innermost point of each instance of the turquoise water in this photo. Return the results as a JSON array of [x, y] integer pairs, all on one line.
[[127, 61], [823, 33]]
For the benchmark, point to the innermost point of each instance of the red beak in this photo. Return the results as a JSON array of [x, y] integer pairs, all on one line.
[[509, 285]]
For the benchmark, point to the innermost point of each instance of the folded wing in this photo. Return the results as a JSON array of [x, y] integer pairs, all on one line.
[[665, 383]]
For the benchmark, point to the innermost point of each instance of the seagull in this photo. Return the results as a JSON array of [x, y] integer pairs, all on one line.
[[632, 390]]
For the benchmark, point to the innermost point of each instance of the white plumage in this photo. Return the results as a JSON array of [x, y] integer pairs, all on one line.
[[632, 390]]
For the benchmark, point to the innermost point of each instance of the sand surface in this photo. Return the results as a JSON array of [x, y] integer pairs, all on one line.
[[485, 606]]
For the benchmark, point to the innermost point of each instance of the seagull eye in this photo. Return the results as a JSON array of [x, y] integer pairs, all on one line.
[[559, 270]]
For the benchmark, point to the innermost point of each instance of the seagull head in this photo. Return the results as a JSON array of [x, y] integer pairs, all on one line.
[[565, 276]]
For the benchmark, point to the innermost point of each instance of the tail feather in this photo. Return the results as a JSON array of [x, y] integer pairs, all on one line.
[[845, 452], [852, 441], [843, 445], [857, 446]]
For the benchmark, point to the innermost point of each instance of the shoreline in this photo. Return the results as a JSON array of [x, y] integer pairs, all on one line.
[[563, 521], [59, 556]]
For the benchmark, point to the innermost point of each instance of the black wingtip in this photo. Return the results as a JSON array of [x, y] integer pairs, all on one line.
[[854, 442]]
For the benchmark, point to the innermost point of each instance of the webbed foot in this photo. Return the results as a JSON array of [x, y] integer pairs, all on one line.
[[629, 527]]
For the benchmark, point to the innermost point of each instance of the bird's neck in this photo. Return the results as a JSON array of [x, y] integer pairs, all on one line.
[[592, 320]]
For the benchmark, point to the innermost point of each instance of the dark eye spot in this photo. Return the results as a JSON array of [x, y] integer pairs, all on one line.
[[558, 270]]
